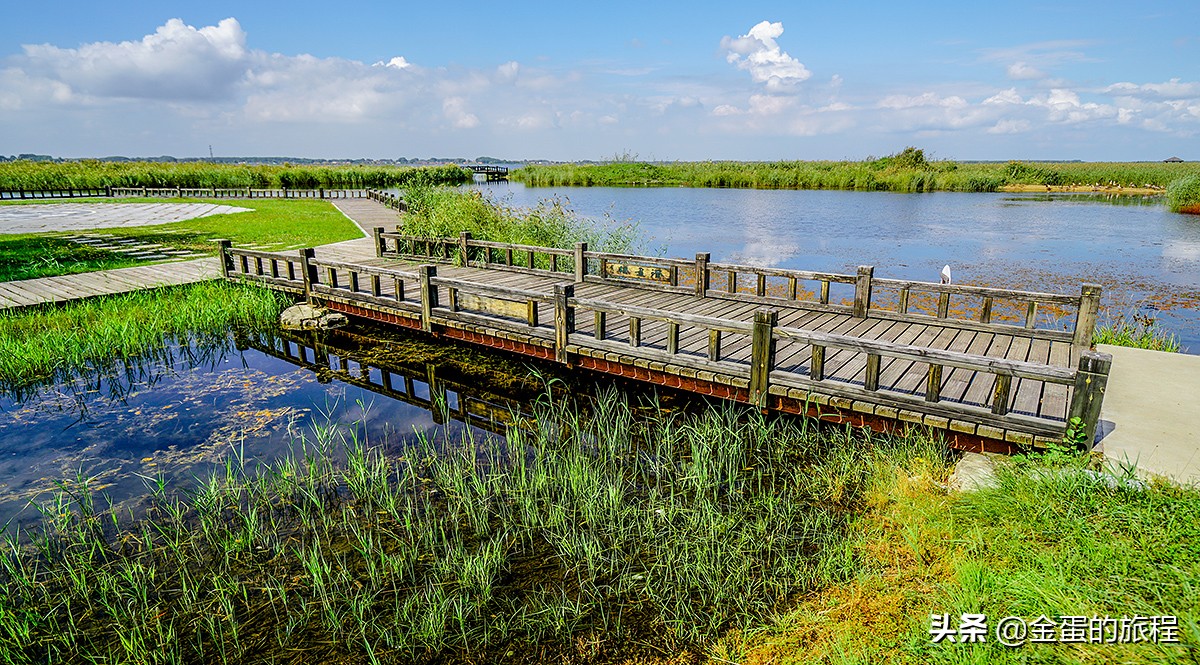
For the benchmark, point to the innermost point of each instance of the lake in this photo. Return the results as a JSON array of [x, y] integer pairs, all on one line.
[[1146, 258]]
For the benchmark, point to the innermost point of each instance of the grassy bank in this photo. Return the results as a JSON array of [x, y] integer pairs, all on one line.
[[908, 171], [55, 342], [96, 174], [272, 224], [1052, 542], [442, 212], [1137, 331], [1183, 195]]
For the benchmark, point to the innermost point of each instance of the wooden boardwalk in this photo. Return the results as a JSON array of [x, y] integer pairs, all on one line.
[[1008, 368], [63, 288]]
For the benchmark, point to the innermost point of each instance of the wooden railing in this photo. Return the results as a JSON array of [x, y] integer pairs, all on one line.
[[390, 200], [57, 193], [238, 193], [496, 307], [1031, 314]]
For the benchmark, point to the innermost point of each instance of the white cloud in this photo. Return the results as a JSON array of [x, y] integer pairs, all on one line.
[[178, 61], [1021, 71], [455, 110], [1172, 89], [1009, 127], [398, 62], [758, 53]]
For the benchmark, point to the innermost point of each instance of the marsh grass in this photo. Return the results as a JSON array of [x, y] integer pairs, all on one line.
[[1183, 194], [1053, 542], [907, 171], [32, 256], [577, 538], [56, 342], [442, 212], [97, 174], [1136, 330]]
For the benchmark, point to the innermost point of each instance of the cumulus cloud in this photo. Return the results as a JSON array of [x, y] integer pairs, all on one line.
[[758, 53], [178, 61], [398, 62]]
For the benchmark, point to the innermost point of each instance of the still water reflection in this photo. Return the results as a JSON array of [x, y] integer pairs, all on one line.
[[1147, 258]]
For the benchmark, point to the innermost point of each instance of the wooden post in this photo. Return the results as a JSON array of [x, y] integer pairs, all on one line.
[[1085, 321], [816, 367], [985, 312], [379, 241], [871, 380], [429, 295], [564, 319], [1090, 381], [309, 271], [580, 261], [933, 384], [862, 291], [600, 323], [223, 254], [672, 337], [714, 345], [762, 357], [943, 309], [464, 248], [635, 331], [1001, 391]]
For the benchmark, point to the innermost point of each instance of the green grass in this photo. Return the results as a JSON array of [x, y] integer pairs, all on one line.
[[95, 174], [907, 171], [1138, 331], [274, 224], [1054, 542], [47, 343], [1183, 195]]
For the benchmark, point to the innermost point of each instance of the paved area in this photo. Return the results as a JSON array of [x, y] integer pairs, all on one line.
[[1151, 413], [47, 218], [132, 247]]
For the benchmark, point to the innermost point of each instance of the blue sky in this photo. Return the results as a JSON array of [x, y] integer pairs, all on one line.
[[696, 80]]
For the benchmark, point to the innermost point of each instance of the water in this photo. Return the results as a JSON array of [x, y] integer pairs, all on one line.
[[179, 415], [1146, 258]]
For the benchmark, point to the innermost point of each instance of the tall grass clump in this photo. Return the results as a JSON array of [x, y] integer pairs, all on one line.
[[578, 537], [92, 173], [444, 212], [1183, 194], [55, 342], [1138, 331]]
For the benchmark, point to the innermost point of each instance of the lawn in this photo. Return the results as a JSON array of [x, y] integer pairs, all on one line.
[[273, 225]]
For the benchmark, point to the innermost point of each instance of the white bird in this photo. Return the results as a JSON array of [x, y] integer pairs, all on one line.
[[946, 274]]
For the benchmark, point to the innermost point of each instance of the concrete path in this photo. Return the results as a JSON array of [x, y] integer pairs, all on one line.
[[365, 213], [1151, 413], [48, 218]]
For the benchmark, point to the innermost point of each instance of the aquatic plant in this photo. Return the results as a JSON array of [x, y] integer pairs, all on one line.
[[41, 343], [580, 533], [907, 171], [1136, 330], [1183, 194], [443, 212]]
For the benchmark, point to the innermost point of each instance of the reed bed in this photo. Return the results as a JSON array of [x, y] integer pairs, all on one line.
[[579, 536], [96, 174], [1183, 195], [904, 172], [56, 342]]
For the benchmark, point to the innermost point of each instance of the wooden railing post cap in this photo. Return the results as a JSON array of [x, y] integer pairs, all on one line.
[[1095, 362], [703, 256], [766, 315], [464, 234], [427, 269], [866, 270], [1089, 289]]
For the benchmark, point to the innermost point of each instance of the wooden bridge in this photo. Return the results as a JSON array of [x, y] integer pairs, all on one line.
[[489, 171], [993, 369]]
